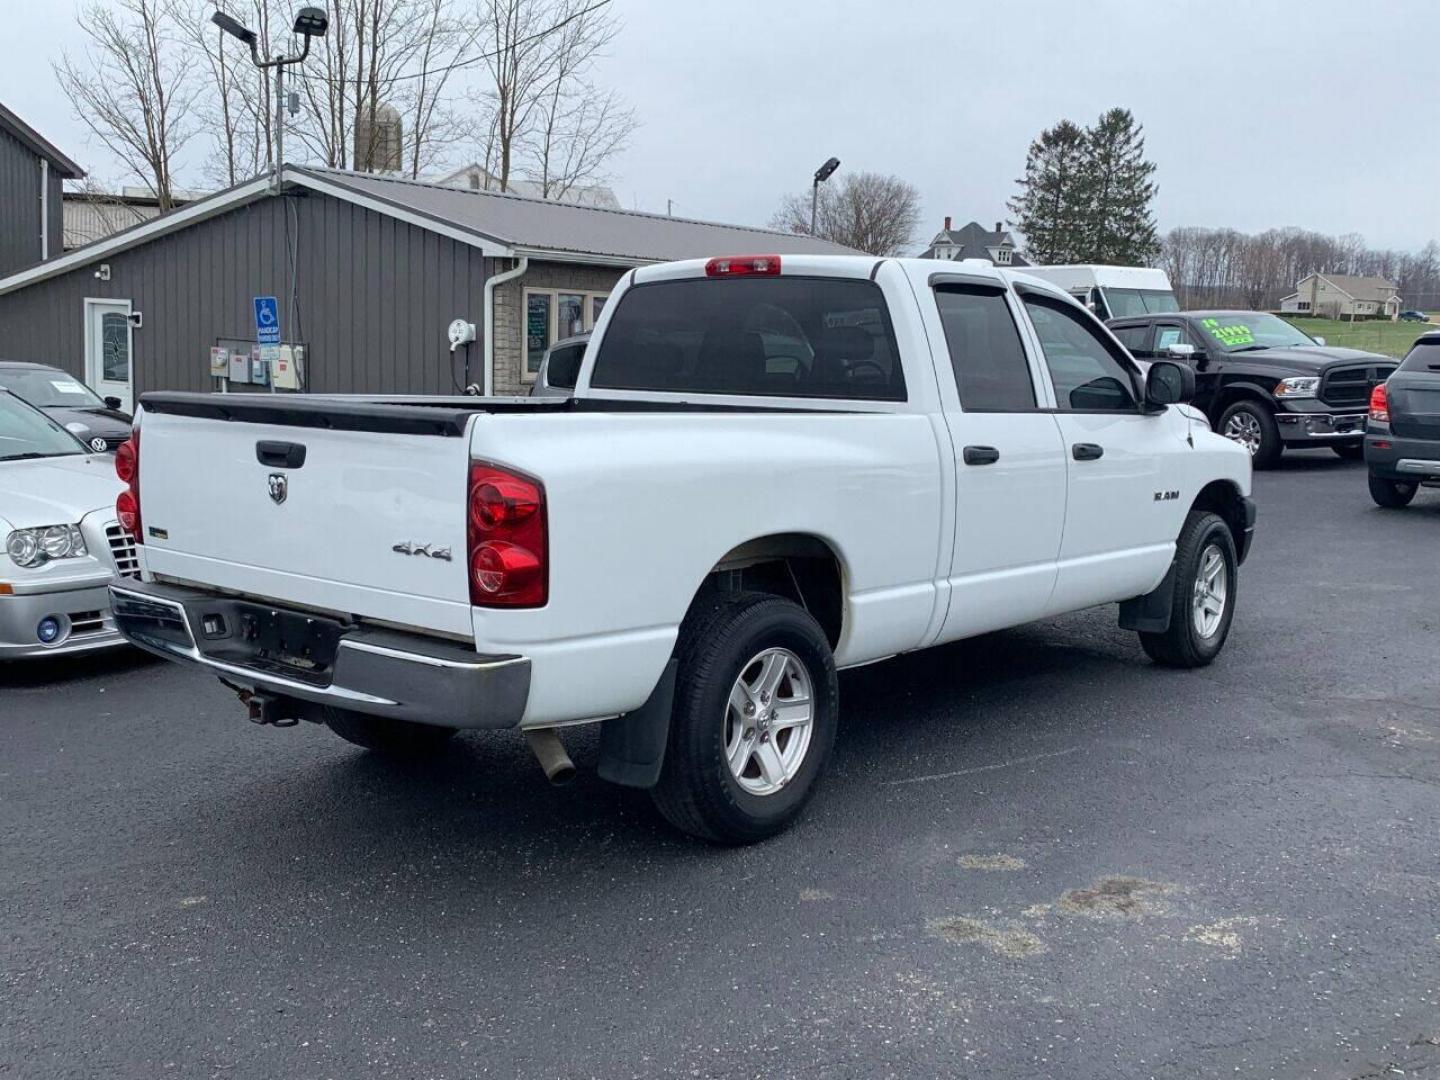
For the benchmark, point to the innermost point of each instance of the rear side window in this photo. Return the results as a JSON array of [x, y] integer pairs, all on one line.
[[1424, 355], [778, 336], [1089, 372], [991, 372], [1134, 338], [562, 370]]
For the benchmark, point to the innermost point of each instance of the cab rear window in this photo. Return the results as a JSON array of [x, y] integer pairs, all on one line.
[[776, 337]]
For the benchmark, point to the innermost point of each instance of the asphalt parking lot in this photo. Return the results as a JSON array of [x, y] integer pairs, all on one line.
[[1035, 855]]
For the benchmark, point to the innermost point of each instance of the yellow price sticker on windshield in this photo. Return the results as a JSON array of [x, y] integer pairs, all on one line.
[[1230, 334]]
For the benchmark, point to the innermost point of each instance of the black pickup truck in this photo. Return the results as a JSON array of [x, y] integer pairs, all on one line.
[[1261, 381]]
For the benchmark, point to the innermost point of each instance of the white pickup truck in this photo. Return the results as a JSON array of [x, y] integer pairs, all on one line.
[[769, 470]]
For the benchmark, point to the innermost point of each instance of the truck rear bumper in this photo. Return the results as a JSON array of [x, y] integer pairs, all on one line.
[[379, 672]]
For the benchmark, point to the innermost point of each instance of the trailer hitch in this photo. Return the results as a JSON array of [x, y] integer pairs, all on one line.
[[265, 709]]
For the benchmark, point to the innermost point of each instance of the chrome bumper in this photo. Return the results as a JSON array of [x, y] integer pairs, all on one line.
[[383, 673], [1299, 427], [81, 605]]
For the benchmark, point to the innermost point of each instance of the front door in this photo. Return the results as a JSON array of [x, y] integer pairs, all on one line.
[[1009, 465], [109, 363], [1119, 528]]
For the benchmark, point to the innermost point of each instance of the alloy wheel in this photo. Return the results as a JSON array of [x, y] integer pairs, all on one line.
[[769, 720], [1211, 591], [1244, 429]]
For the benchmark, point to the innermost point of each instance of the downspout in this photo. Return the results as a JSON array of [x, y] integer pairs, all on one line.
[[44, 209], [521, 265]]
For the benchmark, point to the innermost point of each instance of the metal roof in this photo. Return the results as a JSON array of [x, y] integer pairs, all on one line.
[[545, 227], [38, 145]]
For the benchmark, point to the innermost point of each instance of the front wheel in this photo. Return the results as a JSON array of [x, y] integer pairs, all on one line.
[[1204, 590], [1392, 494], [1349, 451], [756, 708], [1250, 424], [396, 738]]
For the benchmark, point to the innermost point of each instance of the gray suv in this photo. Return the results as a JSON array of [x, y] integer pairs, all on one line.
[[561, 367]]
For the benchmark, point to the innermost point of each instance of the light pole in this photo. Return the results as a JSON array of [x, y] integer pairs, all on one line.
[[310, 22], [821, 175]]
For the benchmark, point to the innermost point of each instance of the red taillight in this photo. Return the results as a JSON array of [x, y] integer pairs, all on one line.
[[743, 266], [507, 544], [127, 503], [1379, 404]]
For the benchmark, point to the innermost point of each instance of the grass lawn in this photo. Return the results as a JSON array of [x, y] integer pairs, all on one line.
[[1378, 335]]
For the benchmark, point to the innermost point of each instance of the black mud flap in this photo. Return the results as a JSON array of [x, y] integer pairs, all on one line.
[[632, 747], [1150, 614]]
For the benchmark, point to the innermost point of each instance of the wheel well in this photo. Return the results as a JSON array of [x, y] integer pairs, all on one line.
[[1233, 394], [797, 566], [1223, 497]]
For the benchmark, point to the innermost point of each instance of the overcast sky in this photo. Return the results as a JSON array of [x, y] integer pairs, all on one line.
[[1258, 113]]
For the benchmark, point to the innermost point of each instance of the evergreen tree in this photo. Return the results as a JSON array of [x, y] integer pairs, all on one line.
[[1086, 194], [1052, 207], [1121, 224]]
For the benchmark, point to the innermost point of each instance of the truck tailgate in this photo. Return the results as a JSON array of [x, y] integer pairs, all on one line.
[[371, 524]]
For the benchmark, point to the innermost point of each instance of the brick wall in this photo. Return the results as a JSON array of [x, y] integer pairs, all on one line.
[[510, 311]]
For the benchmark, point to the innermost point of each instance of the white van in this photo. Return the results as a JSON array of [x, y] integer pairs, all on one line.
[[1112, 292]]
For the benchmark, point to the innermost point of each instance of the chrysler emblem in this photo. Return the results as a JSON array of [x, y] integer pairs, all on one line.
[[279, 487]]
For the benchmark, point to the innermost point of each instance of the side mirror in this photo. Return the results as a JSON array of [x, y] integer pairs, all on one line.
[[1169, 383], [1319, 340], [1181, 351], [113, 403]]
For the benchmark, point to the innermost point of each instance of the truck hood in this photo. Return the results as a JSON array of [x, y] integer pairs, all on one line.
[[56, 491], [1308, 359]]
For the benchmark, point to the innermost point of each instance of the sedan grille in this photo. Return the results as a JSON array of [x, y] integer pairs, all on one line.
[[1349, 387], [122, 550]]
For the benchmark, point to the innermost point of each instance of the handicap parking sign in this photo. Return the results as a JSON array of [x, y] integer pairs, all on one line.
[[267, 320]]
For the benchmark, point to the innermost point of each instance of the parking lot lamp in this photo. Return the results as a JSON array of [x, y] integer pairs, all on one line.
[[821, 175]]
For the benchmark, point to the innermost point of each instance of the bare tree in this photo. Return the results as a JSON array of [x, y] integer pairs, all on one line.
[[544, 119], [577, 127], [871, 212], [134, 88], [236, 107], [396, 53]]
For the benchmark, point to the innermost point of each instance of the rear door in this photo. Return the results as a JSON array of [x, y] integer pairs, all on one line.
[[369, 523], [1116, 543], [1010, 472]]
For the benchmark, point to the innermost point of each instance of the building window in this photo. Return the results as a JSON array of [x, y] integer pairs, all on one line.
[[554, 314], [942, 251], [1002, 256]]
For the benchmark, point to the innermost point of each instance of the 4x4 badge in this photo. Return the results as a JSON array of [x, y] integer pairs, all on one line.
[[405, 547]]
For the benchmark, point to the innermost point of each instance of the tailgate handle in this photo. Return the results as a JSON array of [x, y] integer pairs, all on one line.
[[280, 455]]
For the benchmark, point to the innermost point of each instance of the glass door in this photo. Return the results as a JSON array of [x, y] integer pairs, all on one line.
[[109, 367]]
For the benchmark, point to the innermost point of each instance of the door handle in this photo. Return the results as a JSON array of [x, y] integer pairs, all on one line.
[[280, 455], [1087, 451], [980, 455]]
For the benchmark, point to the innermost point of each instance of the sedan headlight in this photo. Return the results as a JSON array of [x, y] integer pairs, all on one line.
[[1303, 386], [32, 547]]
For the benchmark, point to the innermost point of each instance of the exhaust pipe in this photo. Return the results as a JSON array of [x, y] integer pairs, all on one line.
[[550, 752]]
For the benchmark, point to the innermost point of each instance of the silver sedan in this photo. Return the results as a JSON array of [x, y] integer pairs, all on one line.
[[62, 544]]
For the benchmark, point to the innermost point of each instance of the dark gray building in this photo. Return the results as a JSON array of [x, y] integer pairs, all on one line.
[[31, 175], [369, 273]]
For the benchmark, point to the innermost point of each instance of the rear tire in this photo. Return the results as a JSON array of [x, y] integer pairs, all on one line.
[[1253, 426], [1349, 451], [749, 664], [395, 738], [1205, 589], [1392, 494]]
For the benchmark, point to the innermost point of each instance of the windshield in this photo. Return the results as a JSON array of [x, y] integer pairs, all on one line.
[[26, 433], [1243, 331], [1126, 302], [47, 388]]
